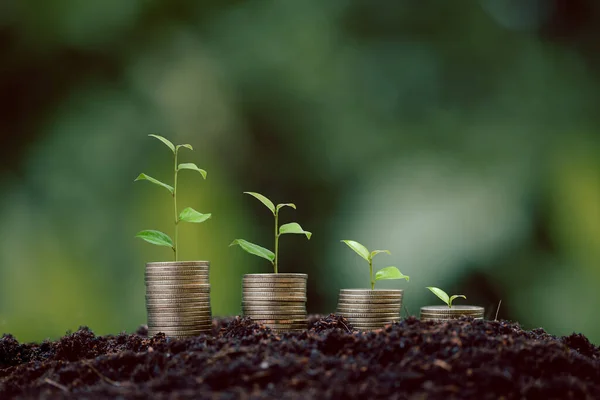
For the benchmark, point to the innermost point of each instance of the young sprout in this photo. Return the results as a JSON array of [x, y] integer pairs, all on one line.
[[384, 273], [188, 214], [444, 296], [292, 227]]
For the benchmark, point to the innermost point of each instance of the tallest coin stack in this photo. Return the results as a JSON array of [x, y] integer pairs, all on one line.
[[178, 298], [276, 300]]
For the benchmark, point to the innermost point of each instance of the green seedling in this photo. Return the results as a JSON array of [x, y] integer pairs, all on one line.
[[292, 227], [384, 273], [444, 296], [187, 215]]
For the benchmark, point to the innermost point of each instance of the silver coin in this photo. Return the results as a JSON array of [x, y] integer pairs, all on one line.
[[369, 328], [279, 276], [175, 306], [457, 315], [176, 315], [453, 310], [371, 321], [175, 294], [368, 292], [371, 310], [172, 282], [177, 277], [275, 316], [176, 301], [378, 302], [274, 307], [294, 290], [275, 301], [178, 293], [179, 333], [180, 324], [178, 286], [274, 296], [368, 297], [367, 315], [177, 273], [273, 285], [183, 278], [159, 268], [177, 263], [247, 313]]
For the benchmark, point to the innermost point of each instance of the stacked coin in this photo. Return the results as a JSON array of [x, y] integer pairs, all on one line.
[[370, 309], [444, 313], [178, 298], [276, 300]]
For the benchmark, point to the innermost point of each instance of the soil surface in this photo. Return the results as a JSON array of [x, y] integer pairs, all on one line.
[[407, 360]]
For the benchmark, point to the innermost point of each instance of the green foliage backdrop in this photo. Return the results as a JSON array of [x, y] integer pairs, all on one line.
[[463, 136]]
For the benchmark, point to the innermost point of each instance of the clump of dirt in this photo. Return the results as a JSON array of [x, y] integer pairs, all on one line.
[[410, 359]]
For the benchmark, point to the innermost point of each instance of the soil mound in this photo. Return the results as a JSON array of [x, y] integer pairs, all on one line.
[[408, 360]]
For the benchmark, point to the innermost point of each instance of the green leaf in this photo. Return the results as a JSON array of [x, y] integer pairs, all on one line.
[[187, 146], [293, 227], [456, 296], [191, 215], [280, 206], [193, 167], [156, 237], [375, 252], [165, 141], [144, 177], [254, 249], [268, 203], [358, 248], [440, 293], [390, 273]]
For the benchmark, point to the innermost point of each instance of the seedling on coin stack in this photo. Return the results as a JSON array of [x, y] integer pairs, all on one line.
[[276, 300], [447, 312], [370, 308], [292, 227], [177, 293]]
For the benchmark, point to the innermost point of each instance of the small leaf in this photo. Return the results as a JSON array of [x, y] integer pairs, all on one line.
[[268, 203], [390, 273], [156, 237], [193, 167], [187, 146], [359, 249], [294, 227], [456, 296], [440, 293], [280, 206], [191, 215], [165, 141], [375, 252], [254, 249], [144, 177]]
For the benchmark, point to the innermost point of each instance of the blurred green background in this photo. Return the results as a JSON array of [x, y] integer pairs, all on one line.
[[461, 135]]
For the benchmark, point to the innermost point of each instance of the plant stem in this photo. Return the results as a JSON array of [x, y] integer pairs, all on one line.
[[371, 272], [175, 206], [276, 239]]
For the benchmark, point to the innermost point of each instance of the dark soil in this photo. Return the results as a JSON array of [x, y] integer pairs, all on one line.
[[411, 359]]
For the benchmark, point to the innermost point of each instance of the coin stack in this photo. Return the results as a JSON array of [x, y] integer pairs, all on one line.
[[444, 313], [370, 309], [178, 298], [276, 300]]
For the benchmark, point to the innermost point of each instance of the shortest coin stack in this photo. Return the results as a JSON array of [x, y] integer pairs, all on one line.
[[367, 309], [178, 298], [444, 313], [275, 300]]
